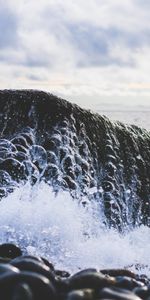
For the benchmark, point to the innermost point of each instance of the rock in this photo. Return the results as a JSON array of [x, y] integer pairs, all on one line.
[[118, 272], [32, 265], [117, 294], [10, 251], [20, 140], [142, 292], [90, 279], [51, 172], [62, 274], [128, 283], [69, 183], [7, 268], [15, 169], [22, 292], [40, 286], [85, 294], [38, 156]]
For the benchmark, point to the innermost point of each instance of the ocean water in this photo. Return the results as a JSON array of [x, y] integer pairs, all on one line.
[[73, 236], [139, 117]]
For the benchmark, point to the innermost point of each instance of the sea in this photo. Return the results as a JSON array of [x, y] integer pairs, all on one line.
[[68, 234]]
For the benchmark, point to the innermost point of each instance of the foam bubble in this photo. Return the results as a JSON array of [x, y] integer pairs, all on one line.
[[70, 235]]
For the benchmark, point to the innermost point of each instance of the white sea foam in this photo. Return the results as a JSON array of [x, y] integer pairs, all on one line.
[[69, 235]]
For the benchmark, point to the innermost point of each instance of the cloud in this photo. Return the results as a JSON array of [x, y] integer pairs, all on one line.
[[80, 47], [8, 27]]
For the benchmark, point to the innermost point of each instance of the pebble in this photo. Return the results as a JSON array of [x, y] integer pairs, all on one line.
[[22, 292], [118, 294]]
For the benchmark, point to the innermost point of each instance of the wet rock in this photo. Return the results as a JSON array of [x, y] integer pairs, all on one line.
[[63, 151], [50, 145], [22, 292], [51, 172], [62, 274], [20, 156], [117, 294], [112, 158], [85, 294], [40, 286], [32, 265], [26, 277], [110, 169], [28, 137], [107, 186], [69, 183], [83, 149], [14, 168], [10, 251], [38, 156], [128, 283], [84, 166], [118, 272], [4, 154], [52, 158], [7, 268], [67, 162], [142, 292], [48, 264], [7, 145], [31, 171], [109, 149], [20, 140], [3, 192], [64, 124], [21, 148], [56, 138], [89, 279]]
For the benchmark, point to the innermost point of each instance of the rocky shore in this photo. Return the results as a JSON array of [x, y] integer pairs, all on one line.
[[25, 277]]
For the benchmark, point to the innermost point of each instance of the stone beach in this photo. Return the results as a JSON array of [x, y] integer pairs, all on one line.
[[26, 277]]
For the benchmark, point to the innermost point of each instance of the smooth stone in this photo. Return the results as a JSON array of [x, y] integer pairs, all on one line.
[[142, 292], [22, 292], [10, 251], [128, 283], [4, 260], [40, 286], [48, 263], [32, 265], [7, 268], [117, 294], [85, 294], [118, 272], [90, 279], [63, 274]]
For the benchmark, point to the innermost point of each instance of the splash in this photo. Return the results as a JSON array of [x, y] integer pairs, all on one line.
[[70, 235]]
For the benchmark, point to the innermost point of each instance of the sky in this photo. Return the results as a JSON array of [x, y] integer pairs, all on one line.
[[94, 52]]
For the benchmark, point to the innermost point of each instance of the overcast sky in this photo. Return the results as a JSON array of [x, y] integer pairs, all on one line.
[[89, 51]]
